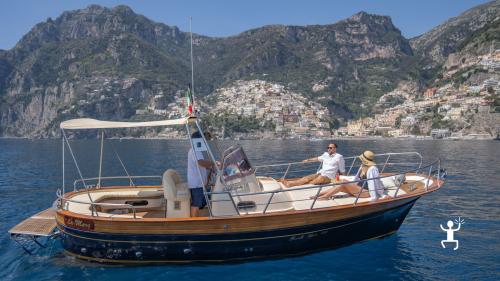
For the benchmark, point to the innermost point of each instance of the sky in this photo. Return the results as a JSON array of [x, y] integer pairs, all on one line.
[[221, 18]]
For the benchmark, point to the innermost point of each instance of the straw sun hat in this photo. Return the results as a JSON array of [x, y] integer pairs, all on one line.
[[367, 158]]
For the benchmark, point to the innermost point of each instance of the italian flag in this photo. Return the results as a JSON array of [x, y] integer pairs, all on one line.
[[189, 101]]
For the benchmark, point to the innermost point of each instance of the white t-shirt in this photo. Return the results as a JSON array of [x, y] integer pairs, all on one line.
[[331, 164], [193, 176]]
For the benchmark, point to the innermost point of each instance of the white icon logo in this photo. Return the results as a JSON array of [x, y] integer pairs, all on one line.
[[450, 232]]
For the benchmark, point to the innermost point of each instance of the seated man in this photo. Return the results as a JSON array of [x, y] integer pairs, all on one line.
[[368, 182], [333, 165]]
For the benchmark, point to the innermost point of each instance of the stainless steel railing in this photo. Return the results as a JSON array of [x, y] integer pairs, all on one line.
[[63, 201], [432, 170], [63, 204], [101, 179], [426, 172], [301, 167]]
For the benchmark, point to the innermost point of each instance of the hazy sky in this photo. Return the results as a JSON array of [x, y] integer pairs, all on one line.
[[230, 17]]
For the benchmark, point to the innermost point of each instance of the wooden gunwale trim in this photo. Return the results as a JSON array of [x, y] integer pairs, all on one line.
[[222, 240], [234, 224]]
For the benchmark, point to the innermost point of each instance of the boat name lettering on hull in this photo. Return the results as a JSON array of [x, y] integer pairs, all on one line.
[[81, 224]]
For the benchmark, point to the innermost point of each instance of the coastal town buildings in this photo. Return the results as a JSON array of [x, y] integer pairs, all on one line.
[[291, 113], [294, 116], [451, 102]]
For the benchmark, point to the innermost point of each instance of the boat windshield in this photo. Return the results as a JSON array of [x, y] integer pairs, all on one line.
[[236, 164]]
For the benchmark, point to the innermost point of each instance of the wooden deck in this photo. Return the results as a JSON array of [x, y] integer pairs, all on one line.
[[41, 224]]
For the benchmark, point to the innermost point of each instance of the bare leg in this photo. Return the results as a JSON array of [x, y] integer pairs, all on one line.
[[195, 211], [300, 181], [351, 189], [354, 190], [329, 193]]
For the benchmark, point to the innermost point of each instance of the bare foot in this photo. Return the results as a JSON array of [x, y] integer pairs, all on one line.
[[285, 183]]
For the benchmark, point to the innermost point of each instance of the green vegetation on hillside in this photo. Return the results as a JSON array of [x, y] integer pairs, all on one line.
[[232, 123]]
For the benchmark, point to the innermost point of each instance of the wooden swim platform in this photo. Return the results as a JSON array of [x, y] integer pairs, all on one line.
[[40, 224]]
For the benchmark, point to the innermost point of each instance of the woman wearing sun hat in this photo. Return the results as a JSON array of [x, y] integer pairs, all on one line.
[[367, 171]]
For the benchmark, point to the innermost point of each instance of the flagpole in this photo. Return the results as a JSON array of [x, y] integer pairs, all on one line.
[[192, 67]]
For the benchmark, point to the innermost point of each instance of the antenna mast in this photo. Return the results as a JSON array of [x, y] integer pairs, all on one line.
[[192, 69]]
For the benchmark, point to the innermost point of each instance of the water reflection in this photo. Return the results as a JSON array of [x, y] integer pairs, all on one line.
[[30, 173]]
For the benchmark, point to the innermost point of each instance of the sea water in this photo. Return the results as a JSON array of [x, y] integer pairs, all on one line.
[[31, 173]]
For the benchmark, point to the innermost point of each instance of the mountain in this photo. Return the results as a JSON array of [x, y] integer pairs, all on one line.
[[339, 63], [106, 63], [434, 46], [483, 41], [92, 62], [111, 63], [459, 91]]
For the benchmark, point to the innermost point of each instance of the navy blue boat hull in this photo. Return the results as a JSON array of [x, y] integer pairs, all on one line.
[[125, 248]]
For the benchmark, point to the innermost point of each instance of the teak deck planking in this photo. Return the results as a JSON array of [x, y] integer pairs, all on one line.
[[41, 224]]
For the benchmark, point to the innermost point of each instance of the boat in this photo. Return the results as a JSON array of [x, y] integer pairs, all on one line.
[[250, 213]]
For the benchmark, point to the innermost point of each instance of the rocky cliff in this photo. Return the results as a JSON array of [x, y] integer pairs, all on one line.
[[434, 46], [92, 62], [105, 63], [110, 62]]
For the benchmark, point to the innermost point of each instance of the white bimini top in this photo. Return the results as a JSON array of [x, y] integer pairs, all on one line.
[[88, 123]]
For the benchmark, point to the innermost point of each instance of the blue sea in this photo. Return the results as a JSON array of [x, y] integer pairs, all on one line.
[[30, 174]]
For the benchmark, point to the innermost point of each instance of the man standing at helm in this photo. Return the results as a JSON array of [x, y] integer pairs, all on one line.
[[197, 173]]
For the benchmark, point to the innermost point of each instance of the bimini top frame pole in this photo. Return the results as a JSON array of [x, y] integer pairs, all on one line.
[[63, 172], [100, 159], [76, 164], [87, 123]]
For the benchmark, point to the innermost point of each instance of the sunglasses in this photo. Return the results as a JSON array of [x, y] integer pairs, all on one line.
[[331, 147]]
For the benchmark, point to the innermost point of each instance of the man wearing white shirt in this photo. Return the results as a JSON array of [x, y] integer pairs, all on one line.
[[333, 164], [367, 178], [197, 173]]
